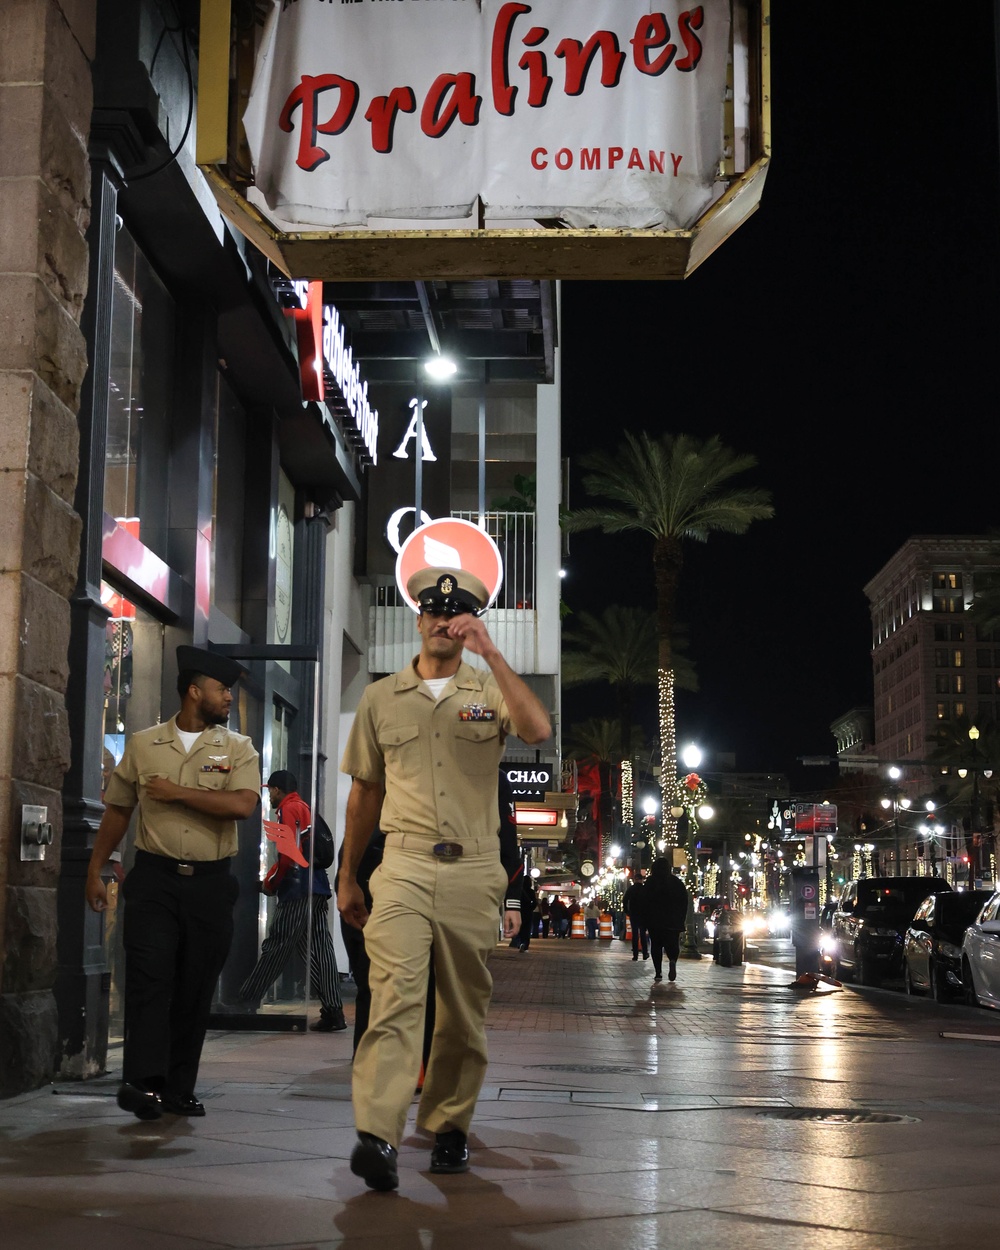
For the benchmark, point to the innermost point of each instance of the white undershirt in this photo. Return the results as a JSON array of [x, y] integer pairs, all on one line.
[[436, 684], [188, 736]]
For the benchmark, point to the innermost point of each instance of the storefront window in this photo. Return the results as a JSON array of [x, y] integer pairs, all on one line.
[[133, 657], [140, 399]]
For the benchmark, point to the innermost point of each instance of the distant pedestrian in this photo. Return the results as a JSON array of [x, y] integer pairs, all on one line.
[[529, 900], [560, 917], [297, 914], [545, 914], [631, 905], [663, 905], [592, 918]]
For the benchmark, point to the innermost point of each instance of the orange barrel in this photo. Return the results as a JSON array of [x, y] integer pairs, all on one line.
[[606, 930], [579, 929], [628, 929]]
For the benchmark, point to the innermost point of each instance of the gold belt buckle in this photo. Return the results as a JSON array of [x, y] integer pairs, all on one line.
[[449, 850], [186, 870]]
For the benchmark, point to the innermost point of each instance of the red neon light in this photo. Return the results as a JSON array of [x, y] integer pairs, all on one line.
[[547, 817]]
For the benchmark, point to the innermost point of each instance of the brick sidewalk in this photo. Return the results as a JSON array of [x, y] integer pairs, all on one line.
[[723, 1111]]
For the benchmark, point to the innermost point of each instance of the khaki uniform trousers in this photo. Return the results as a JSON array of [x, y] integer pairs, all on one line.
[[421, 902]]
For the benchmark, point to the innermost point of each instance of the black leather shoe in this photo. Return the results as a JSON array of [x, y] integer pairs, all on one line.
[[182, 1104], [374, 1160], [329, 1022], [672, 972], [144, 1104], [451, 1152]]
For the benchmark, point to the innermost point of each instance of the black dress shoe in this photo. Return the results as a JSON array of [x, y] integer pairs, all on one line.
[[672, 974], [182, 1104], [144, 1104], [374, 1160], [329, 1022], [451, 1152]]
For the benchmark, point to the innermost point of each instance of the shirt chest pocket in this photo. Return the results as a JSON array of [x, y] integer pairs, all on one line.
[[477, 746], [400, 746], [213, 781]]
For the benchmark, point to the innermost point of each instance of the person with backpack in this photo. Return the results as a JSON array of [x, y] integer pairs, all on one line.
[[289, 882]]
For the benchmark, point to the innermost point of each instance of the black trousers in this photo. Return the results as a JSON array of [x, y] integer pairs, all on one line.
[[177, 932], [664, 941], [639, 937]]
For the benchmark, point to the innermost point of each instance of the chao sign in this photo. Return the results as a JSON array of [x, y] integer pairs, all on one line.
[[608, 114]]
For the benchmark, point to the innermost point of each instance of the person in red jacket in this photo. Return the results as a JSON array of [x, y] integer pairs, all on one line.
[[289, 882]]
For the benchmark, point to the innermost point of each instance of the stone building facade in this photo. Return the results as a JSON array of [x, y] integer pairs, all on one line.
[[46, 47]]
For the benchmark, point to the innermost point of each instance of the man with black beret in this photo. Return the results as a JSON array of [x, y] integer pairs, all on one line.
[[192, 779], [424, 754]]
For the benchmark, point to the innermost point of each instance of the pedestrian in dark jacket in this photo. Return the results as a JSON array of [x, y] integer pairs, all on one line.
[[663, 905], [630, 905]]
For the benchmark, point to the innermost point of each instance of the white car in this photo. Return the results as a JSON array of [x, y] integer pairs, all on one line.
[[981, 956]]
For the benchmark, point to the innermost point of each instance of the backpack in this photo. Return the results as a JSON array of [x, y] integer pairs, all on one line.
[[323, 843]]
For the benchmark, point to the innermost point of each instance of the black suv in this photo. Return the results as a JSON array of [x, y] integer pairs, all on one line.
[[870, 919]]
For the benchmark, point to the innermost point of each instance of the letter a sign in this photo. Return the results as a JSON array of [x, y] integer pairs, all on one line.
[[453, 544]]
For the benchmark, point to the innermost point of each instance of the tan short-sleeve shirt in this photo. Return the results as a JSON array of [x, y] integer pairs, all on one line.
[[219, 760], [438, 759]]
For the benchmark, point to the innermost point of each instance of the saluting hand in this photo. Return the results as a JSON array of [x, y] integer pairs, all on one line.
[[472, 633]]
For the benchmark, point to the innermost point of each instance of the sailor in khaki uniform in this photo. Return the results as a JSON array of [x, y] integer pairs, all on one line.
[[192, 779], [424, 754]]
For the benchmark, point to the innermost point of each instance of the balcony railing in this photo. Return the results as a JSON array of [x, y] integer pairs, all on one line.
[[512, 620]]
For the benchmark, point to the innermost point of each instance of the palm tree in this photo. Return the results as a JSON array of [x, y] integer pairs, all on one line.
[[618, 649], [599, 740], [673, 488]]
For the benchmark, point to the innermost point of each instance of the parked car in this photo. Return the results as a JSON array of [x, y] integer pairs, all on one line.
[[779, 922], [932, 944], [868, 923], [981, 956]]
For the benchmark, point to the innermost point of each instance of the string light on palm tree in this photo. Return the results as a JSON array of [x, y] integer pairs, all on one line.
[[628, 794], [674, 488]]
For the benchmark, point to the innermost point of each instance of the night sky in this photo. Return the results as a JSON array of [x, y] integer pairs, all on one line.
[[847, 337]]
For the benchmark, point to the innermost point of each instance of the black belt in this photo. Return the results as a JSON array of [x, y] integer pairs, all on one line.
[[182, 867]]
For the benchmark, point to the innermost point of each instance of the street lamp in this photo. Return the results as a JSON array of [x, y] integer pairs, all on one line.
[[647, 834], [896, 802], [689, 799], [975, 820]]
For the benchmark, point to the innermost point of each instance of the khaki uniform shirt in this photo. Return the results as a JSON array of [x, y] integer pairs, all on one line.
[[438, 764], [219, 760]]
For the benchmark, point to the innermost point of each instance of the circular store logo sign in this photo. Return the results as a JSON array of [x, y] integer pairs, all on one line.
[[454, 544]]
